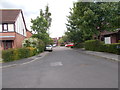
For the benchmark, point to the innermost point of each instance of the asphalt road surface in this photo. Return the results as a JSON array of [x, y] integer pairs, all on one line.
[[63, 68]]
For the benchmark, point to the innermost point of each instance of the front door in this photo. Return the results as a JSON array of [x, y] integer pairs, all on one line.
[[7, 44]]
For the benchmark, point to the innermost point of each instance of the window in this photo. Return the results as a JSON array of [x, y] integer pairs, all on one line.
[[5, 27], [10, 27], [107, 40]]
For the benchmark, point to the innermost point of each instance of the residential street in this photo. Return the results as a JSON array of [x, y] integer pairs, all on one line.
[[63, 68]]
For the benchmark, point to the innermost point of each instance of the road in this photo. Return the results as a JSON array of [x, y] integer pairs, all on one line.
[[63, 68]]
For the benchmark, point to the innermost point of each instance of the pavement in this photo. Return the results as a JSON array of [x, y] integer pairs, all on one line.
[[109, 56], [23, 61]]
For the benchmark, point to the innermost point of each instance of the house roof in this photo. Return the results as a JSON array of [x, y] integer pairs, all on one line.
[[109, 33], [9, 15]]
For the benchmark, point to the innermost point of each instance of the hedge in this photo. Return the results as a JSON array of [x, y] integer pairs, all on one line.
[[112, 48], [16, 54], [96, 45], [79, 45]]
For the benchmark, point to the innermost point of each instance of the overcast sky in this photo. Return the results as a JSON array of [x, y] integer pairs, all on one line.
[[58, 8]]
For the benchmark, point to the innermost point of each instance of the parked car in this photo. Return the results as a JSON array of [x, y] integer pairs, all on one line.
[[69, 45], [48, 48], [54, 45]]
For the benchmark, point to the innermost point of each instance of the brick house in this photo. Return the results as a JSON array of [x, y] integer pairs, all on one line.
[[13, 29], [55, 41], [111, 37]]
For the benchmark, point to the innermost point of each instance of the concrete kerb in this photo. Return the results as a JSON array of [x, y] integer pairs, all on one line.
[[98, 55], [104, 56], [41, 55]]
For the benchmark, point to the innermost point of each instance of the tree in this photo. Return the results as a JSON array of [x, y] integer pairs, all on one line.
[[64, 40], [47, 17], [88, 18], [41, 25]]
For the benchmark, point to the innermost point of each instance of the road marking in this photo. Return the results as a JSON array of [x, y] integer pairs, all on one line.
[[56, 64]]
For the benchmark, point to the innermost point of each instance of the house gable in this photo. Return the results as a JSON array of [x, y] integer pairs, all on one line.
[[12, 20], [20, 26]]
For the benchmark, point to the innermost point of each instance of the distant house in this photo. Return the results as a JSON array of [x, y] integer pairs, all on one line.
[[13, 29], [55, 41], [111, 37]]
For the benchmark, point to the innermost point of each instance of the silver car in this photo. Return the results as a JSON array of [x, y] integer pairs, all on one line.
[[49, 48]]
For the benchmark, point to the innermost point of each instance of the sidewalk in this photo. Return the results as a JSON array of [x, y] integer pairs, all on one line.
[[24, 61], [110, 56]]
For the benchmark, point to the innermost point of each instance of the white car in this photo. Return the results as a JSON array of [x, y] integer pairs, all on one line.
[[49, 48]]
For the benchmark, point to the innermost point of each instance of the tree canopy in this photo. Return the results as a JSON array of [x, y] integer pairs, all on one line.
[[91, 18]]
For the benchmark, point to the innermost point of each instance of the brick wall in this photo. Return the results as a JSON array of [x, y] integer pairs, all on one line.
[[113, 39], [7, 37], [18, 41], [29, 34]]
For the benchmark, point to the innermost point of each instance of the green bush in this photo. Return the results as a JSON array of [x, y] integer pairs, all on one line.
[[35, 43], [7, 55], [80, 45], [112, 48], [95, 45], [41, 46], [16, 54], [62, 44]]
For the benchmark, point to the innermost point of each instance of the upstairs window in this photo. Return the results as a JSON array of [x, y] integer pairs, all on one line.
[[5, 27], [10, 27]]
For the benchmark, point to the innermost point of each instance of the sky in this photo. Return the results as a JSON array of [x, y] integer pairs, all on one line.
[[31, 8]]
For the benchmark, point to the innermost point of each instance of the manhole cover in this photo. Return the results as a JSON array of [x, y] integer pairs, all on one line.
[[56, 64]]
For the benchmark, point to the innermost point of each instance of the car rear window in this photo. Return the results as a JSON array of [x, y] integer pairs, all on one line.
[[48, 46]]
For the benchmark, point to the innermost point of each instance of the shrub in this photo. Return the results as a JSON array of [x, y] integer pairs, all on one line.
[[72, 46], [35, 43], [41, 46], [62, 44], [80, 45], [32, 51], [16, 54], [95, 45], [7, 55], [112, 48]]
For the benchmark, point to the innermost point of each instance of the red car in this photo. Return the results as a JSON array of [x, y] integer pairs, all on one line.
[[69, 45]]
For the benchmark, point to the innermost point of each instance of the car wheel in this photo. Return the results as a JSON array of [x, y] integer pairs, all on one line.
[[50, 51]]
